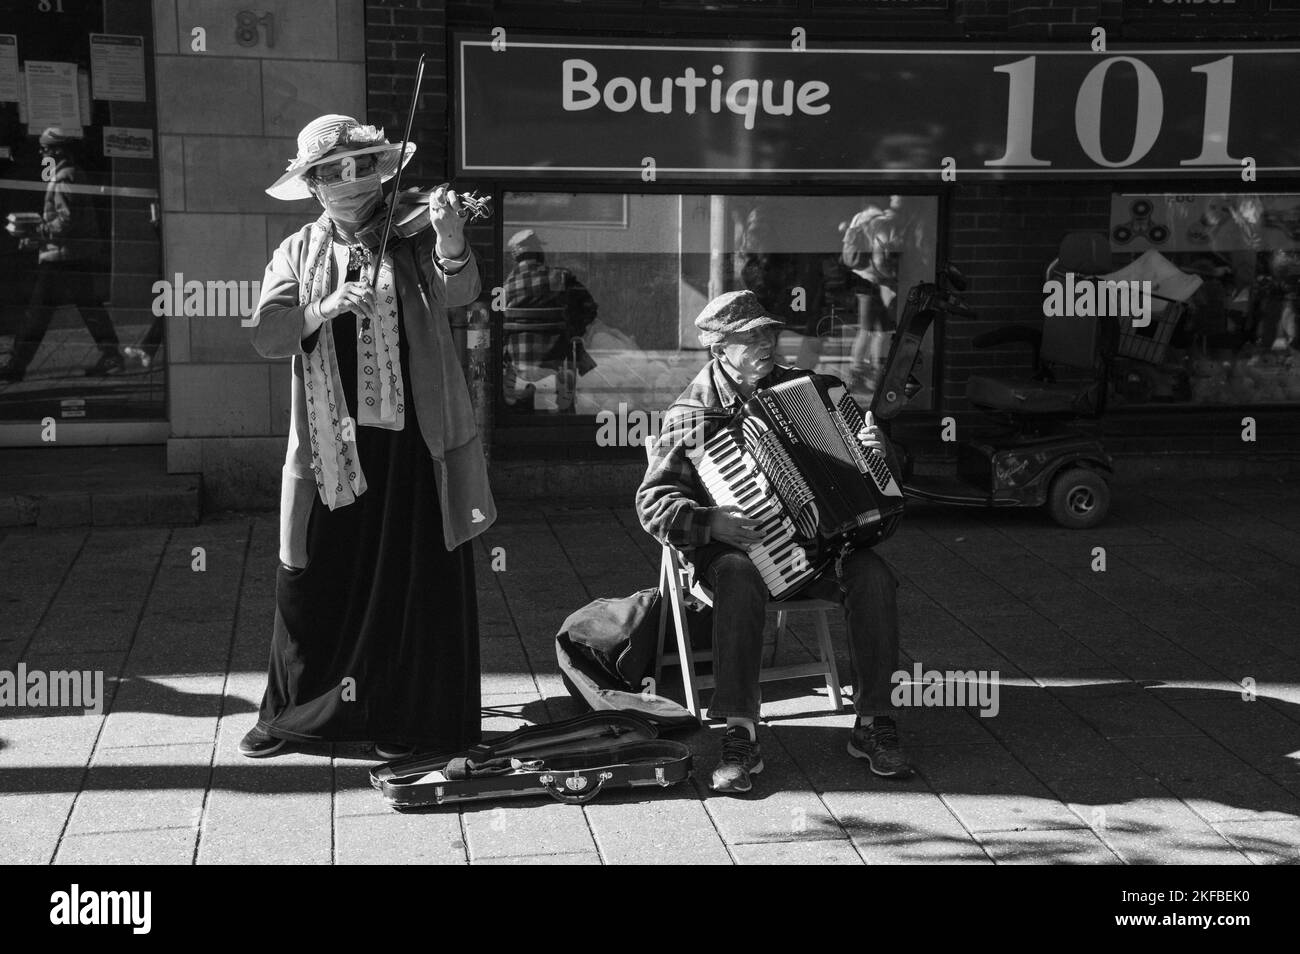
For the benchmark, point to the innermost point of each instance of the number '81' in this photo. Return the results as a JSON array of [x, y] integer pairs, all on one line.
[[246, 24]]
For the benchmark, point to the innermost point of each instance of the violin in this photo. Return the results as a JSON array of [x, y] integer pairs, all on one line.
[[411, 216], [413, 204]]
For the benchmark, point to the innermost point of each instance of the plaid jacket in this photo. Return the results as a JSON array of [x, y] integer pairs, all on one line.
[[534, 284], [671, 503]]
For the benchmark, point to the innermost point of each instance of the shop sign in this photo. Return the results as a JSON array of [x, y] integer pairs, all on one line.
[[663, 110], [1219, 9]]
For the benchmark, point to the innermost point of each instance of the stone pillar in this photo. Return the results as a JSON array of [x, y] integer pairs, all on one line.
[[227, 122]]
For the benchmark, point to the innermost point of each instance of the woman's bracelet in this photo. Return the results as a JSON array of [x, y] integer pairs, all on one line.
[[314, 315]]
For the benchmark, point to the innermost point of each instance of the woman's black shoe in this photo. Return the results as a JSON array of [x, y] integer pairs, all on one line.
[[259, 743], [393, 750]]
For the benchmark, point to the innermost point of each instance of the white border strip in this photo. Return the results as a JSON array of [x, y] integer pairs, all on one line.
[[82, 433], [1099, 172], [29, 186]]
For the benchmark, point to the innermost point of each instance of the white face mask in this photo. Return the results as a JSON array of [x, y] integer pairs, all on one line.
[[350, 203]]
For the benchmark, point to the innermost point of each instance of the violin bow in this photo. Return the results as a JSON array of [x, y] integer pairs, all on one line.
[[397, 179]]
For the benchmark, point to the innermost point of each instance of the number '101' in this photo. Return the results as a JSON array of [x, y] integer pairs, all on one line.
[[1087, 113]]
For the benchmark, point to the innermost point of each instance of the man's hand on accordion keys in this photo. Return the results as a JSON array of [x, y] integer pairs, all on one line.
[[730, 525], [871, 437]]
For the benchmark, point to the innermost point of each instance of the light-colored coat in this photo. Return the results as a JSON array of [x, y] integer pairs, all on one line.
[[439, 395]]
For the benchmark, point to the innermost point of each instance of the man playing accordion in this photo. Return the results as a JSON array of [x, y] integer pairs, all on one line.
[[674, 507]]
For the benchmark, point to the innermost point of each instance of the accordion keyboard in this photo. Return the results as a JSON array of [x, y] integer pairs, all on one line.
[[731, 478]]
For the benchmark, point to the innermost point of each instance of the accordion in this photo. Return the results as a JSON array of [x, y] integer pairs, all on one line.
[[790, 459]]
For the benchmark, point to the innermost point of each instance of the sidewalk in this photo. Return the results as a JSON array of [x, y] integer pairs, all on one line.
[[1122, 734]]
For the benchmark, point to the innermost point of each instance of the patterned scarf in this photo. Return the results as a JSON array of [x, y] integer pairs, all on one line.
[[334, 458]]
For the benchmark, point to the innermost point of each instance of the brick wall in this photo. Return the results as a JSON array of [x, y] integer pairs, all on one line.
[[983, 19], [1051, 19]]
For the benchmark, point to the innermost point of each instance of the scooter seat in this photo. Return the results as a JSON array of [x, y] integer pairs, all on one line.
[[1028, 397]]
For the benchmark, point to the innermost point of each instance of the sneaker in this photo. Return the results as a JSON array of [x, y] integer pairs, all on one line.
[[879, 745], [741, 758], [12, 374], [259, 743], [108, 363], [393, 750], [137, 357]]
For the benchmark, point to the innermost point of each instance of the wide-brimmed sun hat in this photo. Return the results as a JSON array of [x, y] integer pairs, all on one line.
[[317, 144]]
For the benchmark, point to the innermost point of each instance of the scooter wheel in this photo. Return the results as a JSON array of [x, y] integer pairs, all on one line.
[[1080, 498]]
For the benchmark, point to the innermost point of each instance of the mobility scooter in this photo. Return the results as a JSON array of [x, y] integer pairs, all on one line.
[[1038, 456]]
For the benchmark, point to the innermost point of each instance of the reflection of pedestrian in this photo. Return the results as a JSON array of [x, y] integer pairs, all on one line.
[[146, 351], [67, 240], [534, 284], [788, 284], [871, 250]]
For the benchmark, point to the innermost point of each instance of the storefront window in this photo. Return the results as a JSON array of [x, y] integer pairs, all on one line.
[[602, 290], [1234, 340], [80, 252]]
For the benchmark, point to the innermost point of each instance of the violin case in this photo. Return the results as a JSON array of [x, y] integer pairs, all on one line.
[[572, 761]]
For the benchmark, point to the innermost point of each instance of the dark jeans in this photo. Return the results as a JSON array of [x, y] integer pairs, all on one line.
[[61, 283], [868, 593]]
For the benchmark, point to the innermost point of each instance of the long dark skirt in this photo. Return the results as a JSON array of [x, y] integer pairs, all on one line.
[[376, 639]]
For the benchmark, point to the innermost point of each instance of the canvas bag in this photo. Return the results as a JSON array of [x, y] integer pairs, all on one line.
[[606, 651]]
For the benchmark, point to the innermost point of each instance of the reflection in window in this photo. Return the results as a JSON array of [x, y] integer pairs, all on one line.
[[1235, 340], [602, 291]]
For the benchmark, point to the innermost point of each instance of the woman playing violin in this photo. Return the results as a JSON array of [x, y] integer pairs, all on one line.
[[385, 482]]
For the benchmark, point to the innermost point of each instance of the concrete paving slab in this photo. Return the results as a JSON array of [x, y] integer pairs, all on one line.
[[798, 853], [896, 825], [1078, 846], [1265, 842], [1143, 824], [566, 858], [514, 829], [143, 788], [33, 823], [399, 839], [166, 846], [646, 827]]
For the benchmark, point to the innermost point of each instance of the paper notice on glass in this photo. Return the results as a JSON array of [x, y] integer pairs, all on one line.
[[8, 68], [117, 67], [52, 98], [83, 97], [124, 142]]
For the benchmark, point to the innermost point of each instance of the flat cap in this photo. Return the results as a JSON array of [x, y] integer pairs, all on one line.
[[733, 313]]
